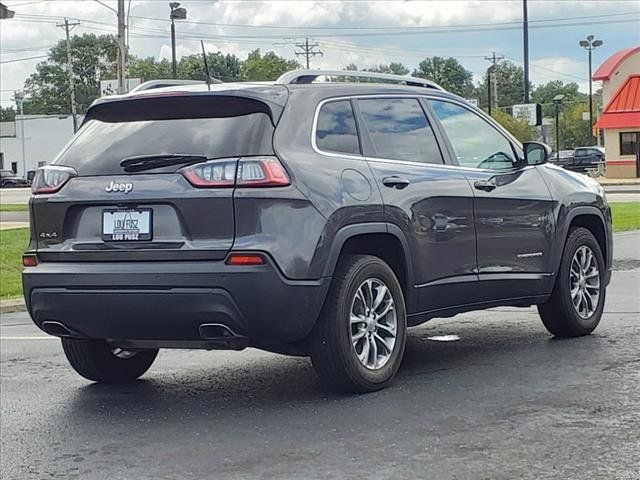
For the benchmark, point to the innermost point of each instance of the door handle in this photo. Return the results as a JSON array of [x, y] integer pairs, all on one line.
[[484, 185], [395, 182]]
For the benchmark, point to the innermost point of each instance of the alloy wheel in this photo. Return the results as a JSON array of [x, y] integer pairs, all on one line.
[[373, 323], [584, 281]]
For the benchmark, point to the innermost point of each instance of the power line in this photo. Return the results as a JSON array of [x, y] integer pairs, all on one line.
[[23, 59], [308, 50], [403, 28]]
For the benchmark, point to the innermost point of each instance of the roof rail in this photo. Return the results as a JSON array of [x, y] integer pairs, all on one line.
[[308, 76]]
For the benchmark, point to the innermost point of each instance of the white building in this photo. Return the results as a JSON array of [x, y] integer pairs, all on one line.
[[44, 136]]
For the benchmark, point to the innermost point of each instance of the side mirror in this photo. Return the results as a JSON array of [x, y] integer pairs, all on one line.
[[536, 153]]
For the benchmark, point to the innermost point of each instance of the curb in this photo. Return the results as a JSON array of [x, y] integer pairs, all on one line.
[[11, 306]]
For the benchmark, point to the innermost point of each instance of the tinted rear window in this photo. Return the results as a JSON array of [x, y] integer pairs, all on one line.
[[336, 128], [215, 130]]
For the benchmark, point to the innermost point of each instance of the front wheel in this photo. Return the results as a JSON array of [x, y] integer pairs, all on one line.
[[98, 361], [361, 334], [576, 304]]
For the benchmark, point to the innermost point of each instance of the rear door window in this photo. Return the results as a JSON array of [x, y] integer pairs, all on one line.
[[399, 130], [336, 128]]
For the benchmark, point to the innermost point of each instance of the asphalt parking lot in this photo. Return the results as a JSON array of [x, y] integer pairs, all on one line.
[[504, 401]]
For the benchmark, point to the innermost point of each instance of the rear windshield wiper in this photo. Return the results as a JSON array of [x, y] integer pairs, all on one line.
[[149, 162]]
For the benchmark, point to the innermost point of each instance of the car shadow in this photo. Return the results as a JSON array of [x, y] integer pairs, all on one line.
[[273, 384]]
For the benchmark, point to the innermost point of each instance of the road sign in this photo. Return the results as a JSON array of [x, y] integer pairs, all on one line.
[[532, 112], [110, 87], [473, 101]]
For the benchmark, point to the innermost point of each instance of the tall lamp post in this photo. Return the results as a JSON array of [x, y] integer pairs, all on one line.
[[177, 13], [557, 100], [590, 44]]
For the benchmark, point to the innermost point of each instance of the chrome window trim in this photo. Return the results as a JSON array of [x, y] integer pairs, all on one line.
[[473, 109]]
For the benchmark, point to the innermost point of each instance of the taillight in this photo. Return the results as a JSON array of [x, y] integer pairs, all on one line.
[[51, 178], [212, 174], [29, 261], [261, 172], [242, 172]]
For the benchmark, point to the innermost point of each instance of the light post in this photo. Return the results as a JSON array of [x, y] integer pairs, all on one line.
[[590, 44], [177, 13], [557, 100]]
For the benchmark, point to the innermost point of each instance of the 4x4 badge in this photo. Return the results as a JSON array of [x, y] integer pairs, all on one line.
[[119, 187]]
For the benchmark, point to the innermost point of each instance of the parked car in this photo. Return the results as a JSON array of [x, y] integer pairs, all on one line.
[[8, 179], [583, 159], [313, 219]]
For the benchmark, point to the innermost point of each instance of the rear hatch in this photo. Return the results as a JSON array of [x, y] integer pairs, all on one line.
[[125, 194]]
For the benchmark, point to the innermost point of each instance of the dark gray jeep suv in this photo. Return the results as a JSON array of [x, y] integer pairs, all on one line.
[[304, 218]]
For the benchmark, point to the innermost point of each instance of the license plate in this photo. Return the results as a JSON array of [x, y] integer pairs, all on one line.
[[128, 225]]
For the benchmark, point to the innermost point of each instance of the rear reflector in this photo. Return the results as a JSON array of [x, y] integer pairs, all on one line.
[[245, 259], [29, 261]]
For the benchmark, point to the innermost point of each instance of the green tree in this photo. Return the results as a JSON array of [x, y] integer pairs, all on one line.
[[448, 73], [149, 68], [395, 68], [223, 67], [92, 57], [574, 131], [544, 94], [258, 67], [518, 127], [7, 114], [509, 79], [352, 67]]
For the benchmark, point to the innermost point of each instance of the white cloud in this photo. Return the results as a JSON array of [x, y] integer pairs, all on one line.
[[560, 68], [149, 37]]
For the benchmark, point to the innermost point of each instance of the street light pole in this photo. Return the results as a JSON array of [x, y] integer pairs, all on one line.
[[557, 100], [590, 45], [173, 49], [176, 13]]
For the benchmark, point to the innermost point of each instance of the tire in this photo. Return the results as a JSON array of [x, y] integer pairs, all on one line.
[[95, 360], [334, 354], [559, 314]]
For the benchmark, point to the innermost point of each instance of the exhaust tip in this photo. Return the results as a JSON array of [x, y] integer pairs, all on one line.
[[221, 336], [56, 329]]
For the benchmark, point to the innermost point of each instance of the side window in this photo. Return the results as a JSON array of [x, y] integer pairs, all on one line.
[[476, 143], [336, 129], [399, 129], [581, 153]]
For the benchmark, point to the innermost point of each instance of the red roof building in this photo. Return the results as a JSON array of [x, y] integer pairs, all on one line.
[[620, 119]]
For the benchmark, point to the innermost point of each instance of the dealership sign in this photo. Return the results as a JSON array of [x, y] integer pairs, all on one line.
[[531, 112]]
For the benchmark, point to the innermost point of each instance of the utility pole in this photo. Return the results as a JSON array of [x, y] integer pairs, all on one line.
[[19, 98], [72, 84], [122, 50], [308, 50], [525, 33], [494, 59]]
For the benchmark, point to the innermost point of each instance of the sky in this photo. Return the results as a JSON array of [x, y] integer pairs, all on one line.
[[365, 33]]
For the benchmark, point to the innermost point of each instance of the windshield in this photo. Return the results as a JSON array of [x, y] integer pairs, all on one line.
[[104, 142]]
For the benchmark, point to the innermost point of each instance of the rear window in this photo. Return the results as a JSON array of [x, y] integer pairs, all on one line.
[[213, 128]]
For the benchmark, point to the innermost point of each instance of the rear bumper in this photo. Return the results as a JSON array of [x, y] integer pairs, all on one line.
[[167, 302]]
